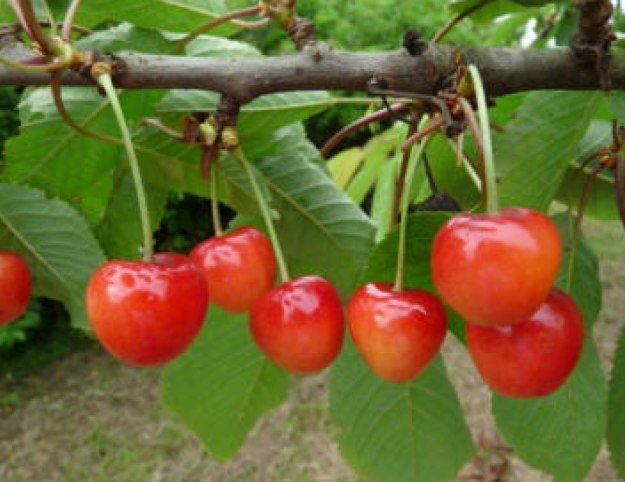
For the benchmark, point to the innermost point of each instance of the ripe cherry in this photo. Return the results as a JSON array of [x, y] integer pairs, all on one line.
[[15, 286], [398, 333], [147, 313], [496, 269], [299, 324], [534, 357], [238, 267]]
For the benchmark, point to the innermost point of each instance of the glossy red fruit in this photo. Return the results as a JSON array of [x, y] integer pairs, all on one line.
[[147, 313], [239, 267], [15, 286], [532, 358], [299, 324], [398, 333], [496, 269]]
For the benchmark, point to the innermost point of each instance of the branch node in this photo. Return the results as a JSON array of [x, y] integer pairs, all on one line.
[[414, 44]]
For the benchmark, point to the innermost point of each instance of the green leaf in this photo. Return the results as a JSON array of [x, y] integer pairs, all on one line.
[[223, 384], [409, 432], [120, 231], [376, 154], [55, 241], [383, 196], [616, 409], [317, 220], [490, 11], [344, 165], [534, 153], [177, 16], [562, 433]]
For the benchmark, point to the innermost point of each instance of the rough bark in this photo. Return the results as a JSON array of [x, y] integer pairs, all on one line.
[[505, 71]]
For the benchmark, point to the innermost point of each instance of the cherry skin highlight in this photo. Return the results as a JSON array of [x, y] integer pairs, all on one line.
[[532, 358], [496, 269], [398, 333], [15, 286], [299, 324], [238, 267], [147, 313]]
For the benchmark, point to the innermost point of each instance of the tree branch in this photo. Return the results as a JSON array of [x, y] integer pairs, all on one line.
[[504, 70]]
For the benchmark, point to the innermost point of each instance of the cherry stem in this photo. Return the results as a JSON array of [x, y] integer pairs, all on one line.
[[415, 157], [215, 22], [266, 213], [219, 230], [66, 33], [490, 176], [105, 81]]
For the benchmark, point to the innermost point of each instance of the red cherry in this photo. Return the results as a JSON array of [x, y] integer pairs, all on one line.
[[238, 267], [532, 358], [398, 333], [496, 269], [147, 313], [15, 286], [299, 324]]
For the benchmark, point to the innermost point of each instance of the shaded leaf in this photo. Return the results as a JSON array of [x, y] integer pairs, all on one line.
[[223, 384], [55, 241], [409, 432], [534, 153]]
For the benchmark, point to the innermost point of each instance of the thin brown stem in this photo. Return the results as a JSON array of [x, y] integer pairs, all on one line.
[[435, 125], [376, 116], [457, 19], [55, 86], [215, 22], [32, 26], [68, 23], [403, 169], [583, 200], [18, 27]]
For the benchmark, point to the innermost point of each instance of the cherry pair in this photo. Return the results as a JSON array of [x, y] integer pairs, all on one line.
[[497, 272], [298, 325]]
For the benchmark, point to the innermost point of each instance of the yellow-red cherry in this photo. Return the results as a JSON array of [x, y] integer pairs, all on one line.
[[238, 267], [496, 269], [299, 325], [15, 286], [398, 333], [532, 358], [147, 313]]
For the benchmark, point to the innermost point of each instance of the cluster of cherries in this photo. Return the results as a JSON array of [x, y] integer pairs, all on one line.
[[495, 270]]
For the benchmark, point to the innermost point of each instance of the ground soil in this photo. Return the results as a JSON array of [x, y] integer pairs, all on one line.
[[88, 418]]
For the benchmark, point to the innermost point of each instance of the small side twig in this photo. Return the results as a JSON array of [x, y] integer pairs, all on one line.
[[456, 20], [215, 22], [377, 116]]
